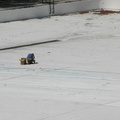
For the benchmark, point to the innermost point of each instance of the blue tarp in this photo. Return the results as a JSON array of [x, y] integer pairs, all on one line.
[[31, 55]]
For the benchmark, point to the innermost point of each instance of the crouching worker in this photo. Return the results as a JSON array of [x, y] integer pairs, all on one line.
[[31, 58]]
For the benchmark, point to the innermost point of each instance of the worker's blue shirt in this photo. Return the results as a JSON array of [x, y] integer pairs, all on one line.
[[30, 55]]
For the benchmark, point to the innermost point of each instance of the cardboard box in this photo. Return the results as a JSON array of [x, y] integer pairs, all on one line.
[[23, 61]]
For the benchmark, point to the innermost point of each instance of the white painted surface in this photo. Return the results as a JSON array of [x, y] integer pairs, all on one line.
[[24, 13], [110, 4], [77, 78], [76, 6]]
